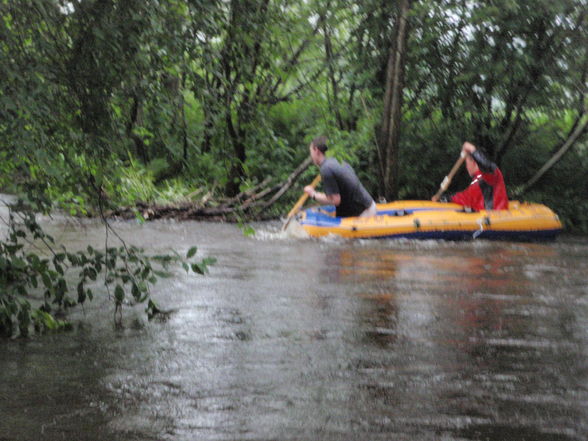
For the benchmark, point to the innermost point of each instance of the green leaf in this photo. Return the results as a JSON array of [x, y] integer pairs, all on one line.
[[209, 260], [152, 309], [248, 231], [92, 274], [135, 291], [119, 294], [81, 293], [47, 280], [191, 252], [199, 268]]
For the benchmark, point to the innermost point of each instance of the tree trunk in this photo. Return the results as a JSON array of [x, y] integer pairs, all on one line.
[[237, 171], [136, 119], [390, 127], [334, 104]]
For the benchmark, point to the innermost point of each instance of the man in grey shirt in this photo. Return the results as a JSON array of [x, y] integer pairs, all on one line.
[[342, 186]]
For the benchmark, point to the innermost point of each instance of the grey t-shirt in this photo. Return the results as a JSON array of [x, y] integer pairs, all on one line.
[[339, 178]]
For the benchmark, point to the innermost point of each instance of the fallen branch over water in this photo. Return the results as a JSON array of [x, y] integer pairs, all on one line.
[[251, 204]]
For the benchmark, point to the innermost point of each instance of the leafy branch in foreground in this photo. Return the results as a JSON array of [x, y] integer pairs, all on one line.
[[32, 263]]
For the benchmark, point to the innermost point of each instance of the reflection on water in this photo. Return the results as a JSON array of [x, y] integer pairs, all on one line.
[[317, 340]]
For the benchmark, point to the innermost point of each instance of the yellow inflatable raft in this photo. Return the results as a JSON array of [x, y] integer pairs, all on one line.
[[437, 220]]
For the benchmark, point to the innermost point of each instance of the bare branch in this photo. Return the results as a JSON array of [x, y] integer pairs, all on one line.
[[579, 128]]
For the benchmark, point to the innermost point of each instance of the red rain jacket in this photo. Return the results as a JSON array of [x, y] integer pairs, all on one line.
[[487, 191]]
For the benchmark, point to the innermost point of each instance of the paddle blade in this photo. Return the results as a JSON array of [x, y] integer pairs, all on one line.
[[295, 230]]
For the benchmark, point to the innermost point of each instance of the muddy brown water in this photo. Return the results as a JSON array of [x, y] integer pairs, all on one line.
[[291, 339]]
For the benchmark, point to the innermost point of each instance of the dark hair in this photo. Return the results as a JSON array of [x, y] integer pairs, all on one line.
[[320, 142], [482, 150]]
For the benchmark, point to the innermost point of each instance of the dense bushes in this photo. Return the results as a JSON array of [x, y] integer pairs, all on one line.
[[118, 101]]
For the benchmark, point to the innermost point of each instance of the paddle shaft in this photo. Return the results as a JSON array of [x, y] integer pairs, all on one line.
[[447, 180], [296, 208]]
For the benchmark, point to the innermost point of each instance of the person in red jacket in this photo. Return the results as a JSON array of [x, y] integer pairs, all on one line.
[[487, 190]]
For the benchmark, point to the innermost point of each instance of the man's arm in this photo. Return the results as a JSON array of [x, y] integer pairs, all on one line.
[[323, 198], [485, 165]]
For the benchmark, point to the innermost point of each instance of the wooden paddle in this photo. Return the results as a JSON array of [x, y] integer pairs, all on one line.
[[447, 180], [296, 208]]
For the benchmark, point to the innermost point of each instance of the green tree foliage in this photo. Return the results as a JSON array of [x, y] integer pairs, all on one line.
[[246, 63], [70, 73], [39, 278], [222, 94], [495, 70]]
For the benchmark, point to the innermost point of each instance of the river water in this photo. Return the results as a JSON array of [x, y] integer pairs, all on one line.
[[291, 339]]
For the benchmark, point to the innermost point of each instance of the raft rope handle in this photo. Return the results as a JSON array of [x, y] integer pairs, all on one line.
[[481, 222]]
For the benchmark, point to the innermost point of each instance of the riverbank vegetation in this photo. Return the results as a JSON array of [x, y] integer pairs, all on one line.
[[111, 103], [206, 108], [40, 279]]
